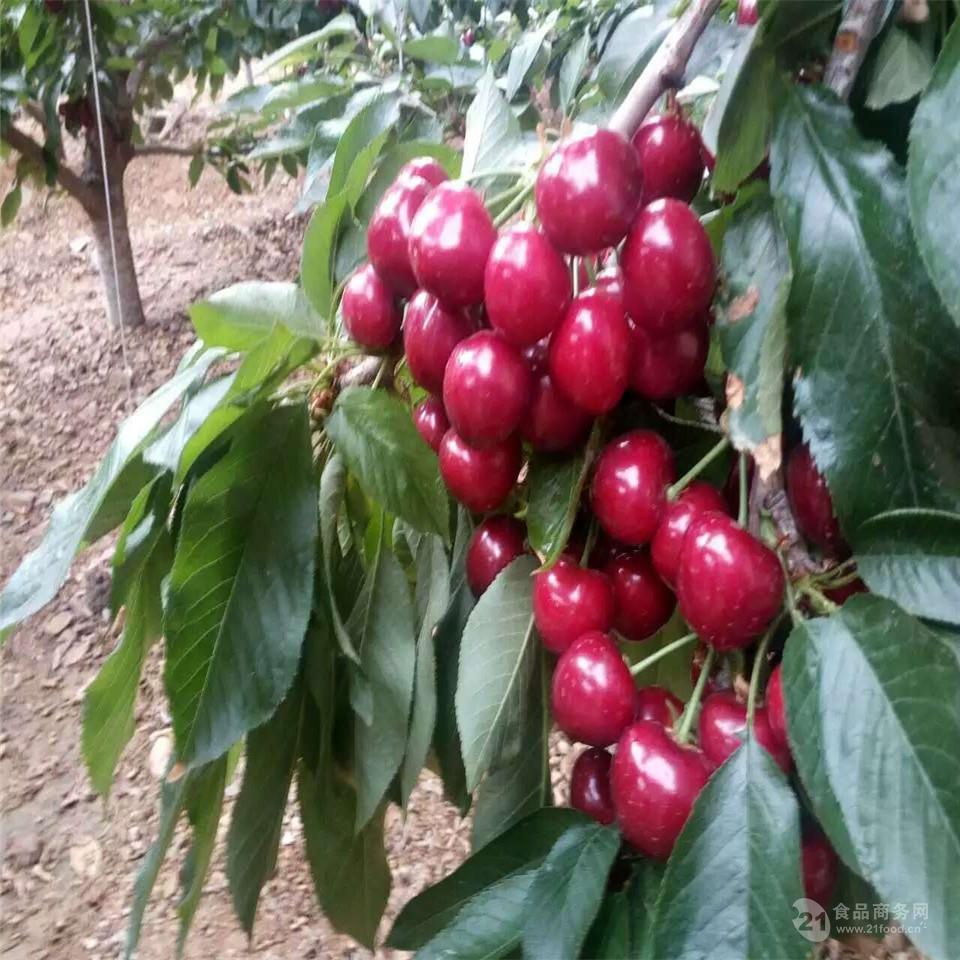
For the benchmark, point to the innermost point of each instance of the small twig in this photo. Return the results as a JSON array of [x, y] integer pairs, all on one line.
[[361, 374], [771, 496], [859, 26], [154, 149]]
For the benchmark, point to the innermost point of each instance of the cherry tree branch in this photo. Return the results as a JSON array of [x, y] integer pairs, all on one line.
[[171, 149], [859, 26]]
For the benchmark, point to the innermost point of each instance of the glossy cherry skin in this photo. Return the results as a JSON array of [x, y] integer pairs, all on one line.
[[569, 601], [655, 781], [590, 353], [667, 542], [588, 191], [629, 490], [526, 285], [729, 585], [425, 167], [671, 160], [450, 240], [659, 705], [480, 479], [667, 366], [431, 421], [818, 861], [747, 14], [811, 503], [495, 544], [552, 422], [430, 332], [536, 356], [722, 726], [776, 709], [668, 268], [590, 785], [592, 695], [370, 313], [388, 235], [642, 601]]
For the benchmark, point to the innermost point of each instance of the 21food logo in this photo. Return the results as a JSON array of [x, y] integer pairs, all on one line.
[[811, 920]]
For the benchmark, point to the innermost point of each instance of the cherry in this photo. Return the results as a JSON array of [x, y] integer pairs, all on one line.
[[590, 352], [610, 282], [669, 365], [629, 491], [671, 161], [370, 314], [430, 332], [467, 37], [426, 167], [494, 545], [388, 235], [747, 14], [723, 726], [665, 548], [537, 355], [526, 285], [590, 785], [450, 240], [818, 860], [668, 268], [776, 711], [659, 705], [587, 192], [568, 601], [840, 595], [552, 422], [642, 601], [811, 503], [593, 695], [654, 782], [431, 421], [480, 479], [720, 676]]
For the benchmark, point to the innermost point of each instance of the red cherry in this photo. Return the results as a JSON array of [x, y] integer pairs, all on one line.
[[370, 314], [723, 727], [840, 595], [388, 235], [655, 781], [668, 268], [552, 422], [587, 192], [425, 167], [719, 679], [819, 864], [593, 695], [590, 353], [536, 356], [610, 282], [526, 285], [450, 240], [569, 601], [643, 602], [480, 479], [670, 365], [669, 148], [590, 785], [659, 705], [494, 545], [431, 421], [811, 503], [486, 389], [776, 710], [467, 37], [629, 491], [430, 332], [665, 548], [747, 14], [729, 585]]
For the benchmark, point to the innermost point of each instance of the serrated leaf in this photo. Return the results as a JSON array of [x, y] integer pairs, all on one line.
[[642, 895], [609, 937], [305, 48], [555, 485], [492, 139], [319, 253], [436, 48], [630, 47], [361, 143], [901, 71], [571, 70], [522, 58]]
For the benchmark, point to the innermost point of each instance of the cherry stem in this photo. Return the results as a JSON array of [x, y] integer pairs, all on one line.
[[642, 665], [677, 488], [795, 615], [823, 603], [742, 512], [513, 206], [592, 532], [759, 657], [693, 704], [492, 174]]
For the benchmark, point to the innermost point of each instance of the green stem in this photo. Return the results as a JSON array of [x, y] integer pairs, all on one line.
[[492, 174], [676, 489], [742, 513], [823, 603], [592, 532], [686, 721], [758, 659], [795, 615], [508, 194], [511, 208], [642, 665]]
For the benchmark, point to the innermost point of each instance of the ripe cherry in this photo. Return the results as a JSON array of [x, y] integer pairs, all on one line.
[[480, 479], [587, 192], [729, 585], [776, 710], [526, 285], [818, 861], [665, 547], [610, 282], [431, 421], [593, 696], [495, 544], [659, 705], [388, 235], [552, 422], [590, 785], [668, 268], [426, 167], [669, 365], [569, 601], [811, 503], [629, 491], [590, 353], [642, 601], [370, 313], [723, 727], [467, 37], [450, 240], [430, 332], [654, 782], [671, 162], [747, 14], [536, 356]]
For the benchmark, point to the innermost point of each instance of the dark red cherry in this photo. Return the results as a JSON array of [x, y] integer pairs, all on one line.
[[552, 422], [467, 37], [668, 268], [480, 479], [430, 332], [590, 785], [671, 163], [776, 710], [370, 313], [610, 282], [669, 365], [587, 192], [629, 491], [569, 601], [486, 389], [536, 356], [526, 285], [729, 585], [426, 167], [811, 503], [590, 353], [654, 782], [665, 547], [494, 545], [819, 864], [659, 705], [747, 14], [388, 235], [723, 727], [642, 601], [450, 240], [431, 421], [593, 696], [841, 595]]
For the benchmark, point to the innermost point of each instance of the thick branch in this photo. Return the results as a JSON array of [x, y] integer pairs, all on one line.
[[859, 26], [155, 149]]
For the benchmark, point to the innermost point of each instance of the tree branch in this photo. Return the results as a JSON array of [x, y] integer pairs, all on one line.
[[859, 26], [149, 51], [156, 149]]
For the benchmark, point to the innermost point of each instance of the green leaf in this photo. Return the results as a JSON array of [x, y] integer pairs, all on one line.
[[933, 172], [734, 874], [195, 169], [571, 70], [305, 48], [642, 894], [435, 48], [11, 205], [361, 143], [373, 432], [881, 696], [319, 252], [609, 936], [567, 890], [522, 58], [630, 47], [555, 485], [234, 636], [493, 139], [901, 71], [877, 355]]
